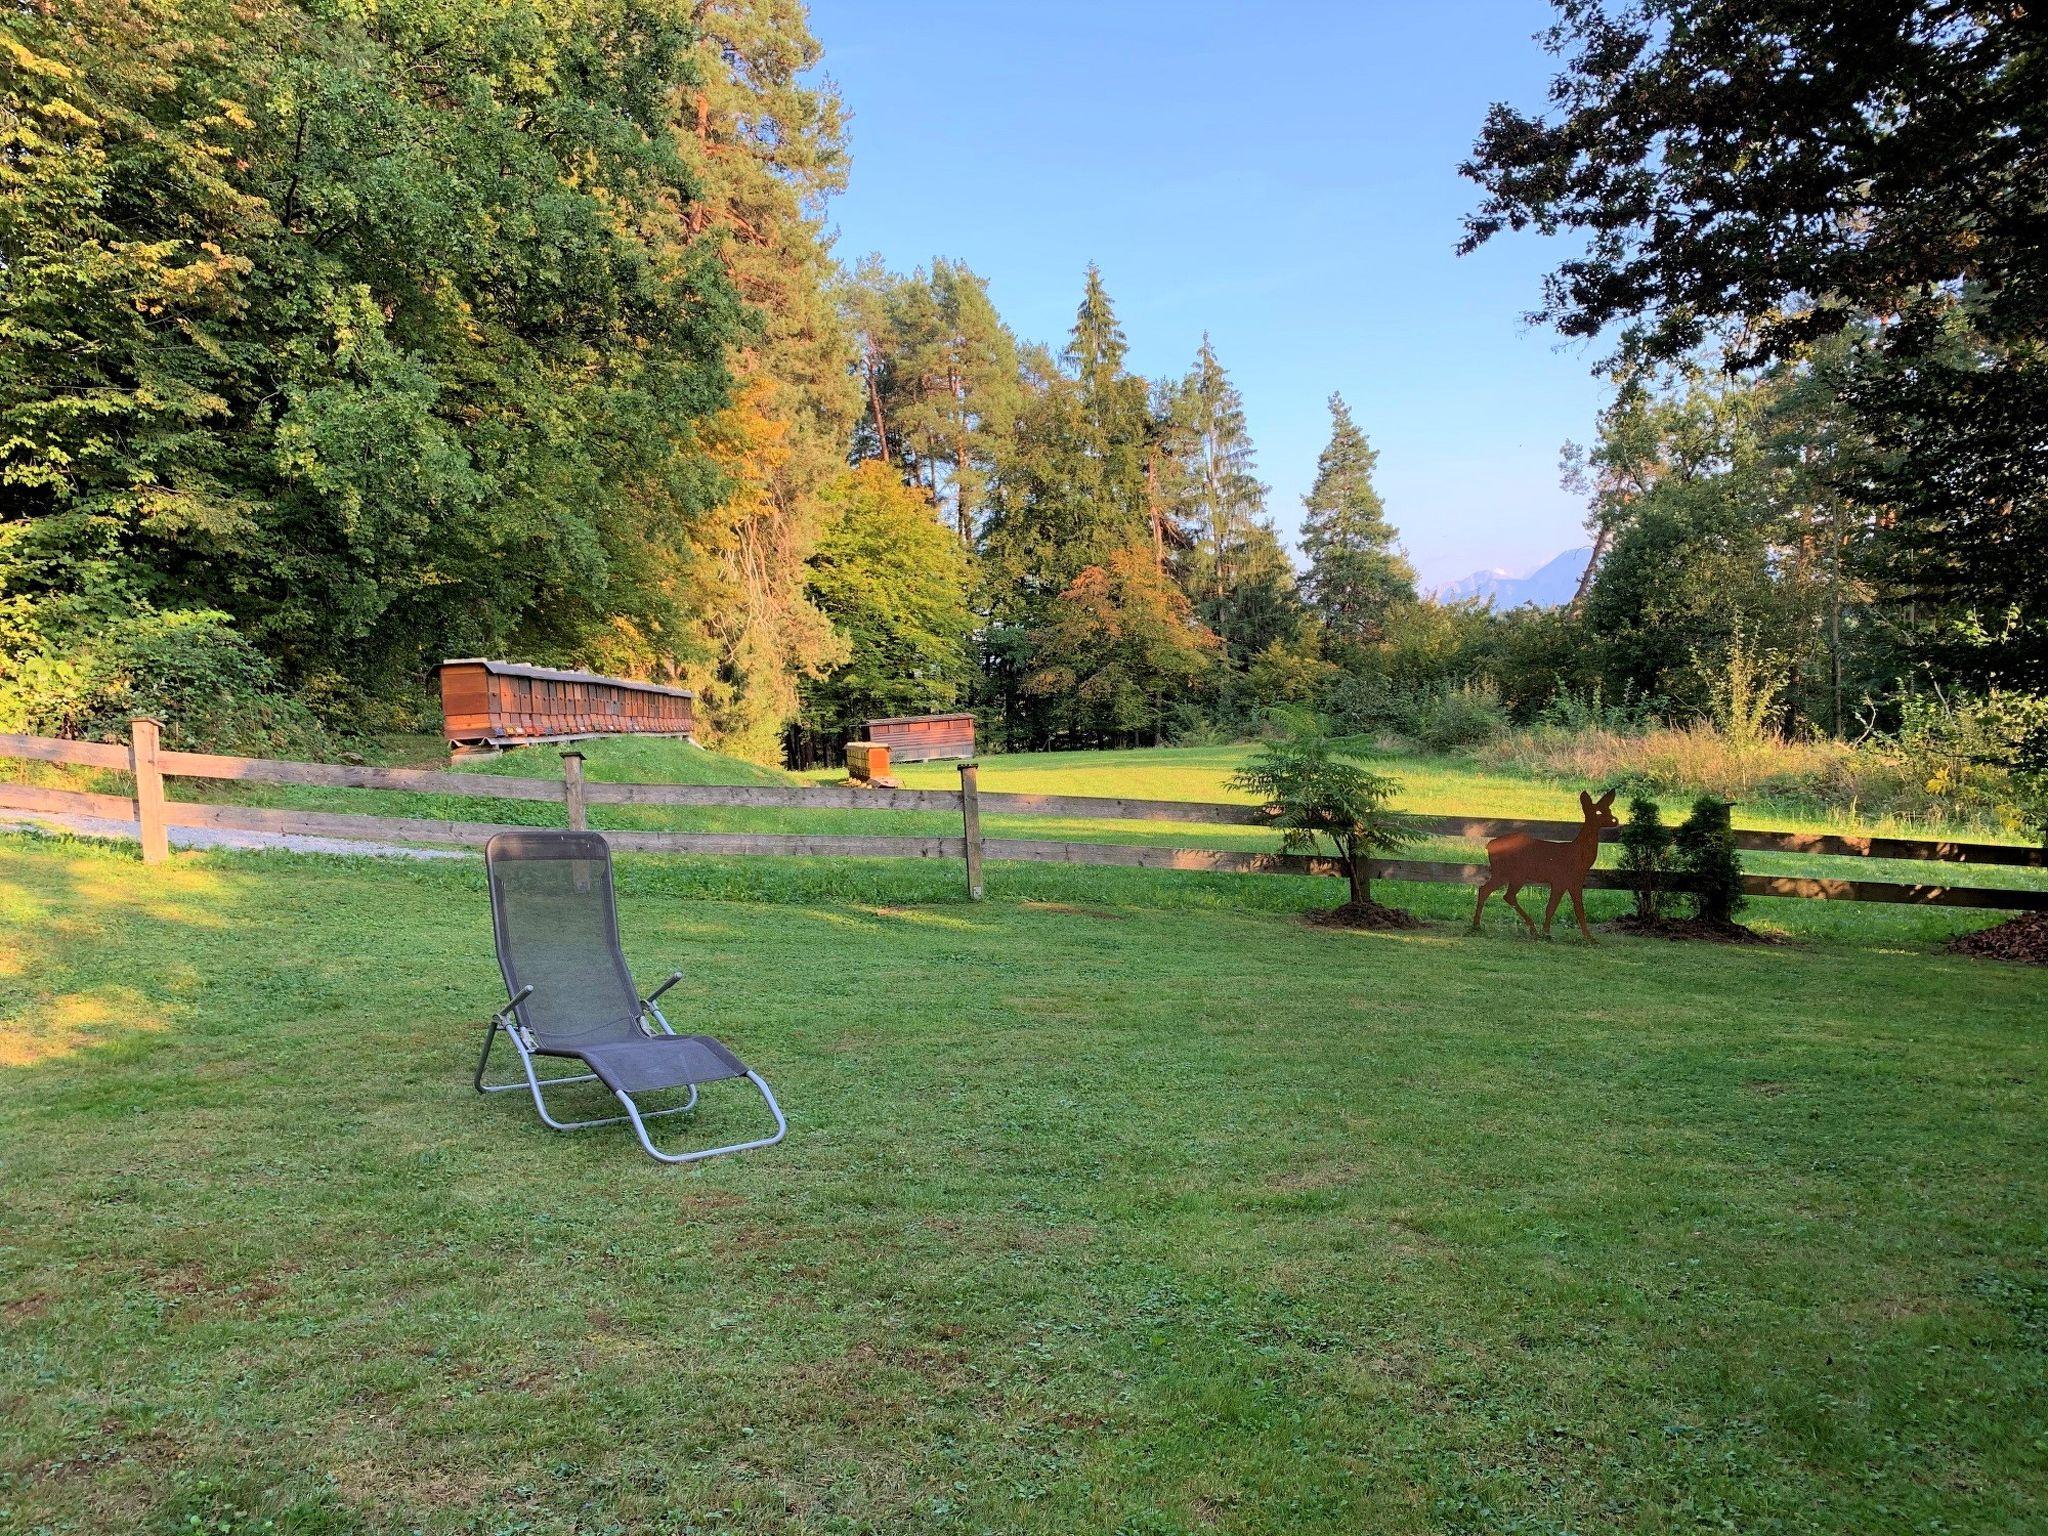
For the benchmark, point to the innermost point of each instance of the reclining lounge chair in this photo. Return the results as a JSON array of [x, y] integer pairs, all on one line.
[[573, 998]]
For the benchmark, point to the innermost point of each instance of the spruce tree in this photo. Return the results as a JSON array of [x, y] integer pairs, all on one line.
[[1072, 489], [1222, 498], [1356, 570], [1113, 405]]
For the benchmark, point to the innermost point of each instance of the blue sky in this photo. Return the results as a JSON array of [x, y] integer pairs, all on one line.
[[1283, 176]]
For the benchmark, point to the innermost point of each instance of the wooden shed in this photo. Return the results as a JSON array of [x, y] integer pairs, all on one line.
[[920, 738], [501, 703]]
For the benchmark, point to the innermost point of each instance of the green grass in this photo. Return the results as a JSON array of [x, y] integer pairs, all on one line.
[[1101, 1211], [630, 760]]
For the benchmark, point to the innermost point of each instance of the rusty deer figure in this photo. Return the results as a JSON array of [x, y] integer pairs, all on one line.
[[1518, 859]]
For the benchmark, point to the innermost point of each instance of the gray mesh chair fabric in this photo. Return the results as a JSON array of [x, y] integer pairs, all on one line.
[[558, 933], [572, 997]]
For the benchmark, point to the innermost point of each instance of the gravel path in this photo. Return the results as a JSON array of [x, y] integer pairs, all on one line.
[[216, 837]]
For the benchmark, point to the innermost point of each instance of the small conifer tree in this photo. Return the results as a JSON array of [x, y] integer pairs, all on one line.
[[1646, 856], [1312, 788], [1705, 845]]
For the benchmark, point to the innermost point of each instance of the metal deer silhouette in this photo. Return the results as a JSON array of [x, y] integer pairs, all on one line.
[[1518, 859]]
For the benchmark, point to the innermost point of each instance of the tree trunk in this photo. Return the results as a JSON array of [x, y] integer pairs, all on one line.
[[961, 510], [875, 403], [1592, 565], [1152, 508], [1356, 872]]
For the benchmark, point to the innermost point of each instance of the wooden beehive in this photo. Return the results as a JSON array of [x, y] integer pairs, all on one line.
[[920, 738], [502, 703], [867, 762]]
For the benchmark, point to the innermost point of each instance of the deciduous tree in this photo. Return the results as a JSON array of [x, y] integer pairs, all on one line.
[[1119, 648], [895, 585], [1770, 173]]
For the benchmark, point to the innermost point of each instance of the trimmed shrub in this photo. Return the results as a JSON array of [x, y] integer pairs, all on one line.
[[1705, 845], [1646, 856]]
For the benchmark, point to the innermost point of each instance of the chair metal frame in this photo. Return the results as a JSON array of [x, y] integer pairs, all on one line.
[[506, 1021]]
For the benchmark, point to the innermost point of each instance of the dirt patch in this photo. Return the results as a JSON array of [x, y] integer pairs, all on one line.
[[707, 1202], [1368, 915], [1680, 928], [1073, 911], [195, 1293], [1322, 1176], [2024, 939], [21, 1308]]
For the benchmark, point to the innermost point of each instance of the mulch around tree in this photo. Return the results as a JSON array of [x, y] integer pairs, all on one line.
[[1364, 914], [2024, 939], [1698, 929]]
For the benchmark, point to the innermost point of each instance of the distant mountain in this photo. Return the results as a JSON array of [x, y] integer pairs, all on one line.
[[1550, 585]]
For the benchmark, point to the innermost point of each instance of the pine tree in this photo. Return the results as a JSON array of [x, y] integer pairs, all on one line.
[[941, 370], [1356, 571]]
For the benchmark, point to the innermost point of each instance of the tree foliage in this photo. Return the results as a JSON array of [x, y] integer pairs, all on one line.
[[894, 583], [380, 333], [766, 148], [1770, 174], [1117, 648], [1312, 789]]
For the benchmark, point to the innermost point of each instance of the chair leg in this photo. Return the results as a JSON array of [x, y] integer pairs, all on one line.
[[781, 1128]]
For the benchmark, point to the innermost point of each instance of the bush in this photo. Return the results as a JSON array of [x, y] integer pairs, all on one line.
[[1446, 718], [1572, 710], [1187, 724], [210, 687], [1705, 845], [1361, 704], [1646, 856], [1978, 751]]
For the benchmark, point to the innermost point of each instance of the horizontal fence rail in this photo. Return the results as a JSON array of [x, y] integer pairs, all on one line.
[[147, 807]]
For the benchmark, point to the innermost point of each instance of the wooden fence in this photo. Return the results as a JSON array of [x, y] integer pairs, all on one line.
[[149, 764]]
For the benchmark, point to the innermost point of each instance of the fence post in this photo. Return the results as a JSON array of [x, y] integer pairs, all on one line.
[[572, 791], [144, 736], [970, 825]]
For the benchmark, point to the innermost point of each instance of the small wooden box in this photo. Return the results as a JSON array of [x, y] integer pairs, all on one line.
[[867, 761]]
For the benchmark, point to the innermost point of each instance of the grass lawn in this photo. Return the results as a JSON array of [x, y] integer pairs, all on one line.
[[1111, 1205]]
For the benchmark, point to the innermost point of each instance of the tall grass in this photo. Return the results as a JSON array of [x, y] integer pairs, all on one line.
[[1871, 780]]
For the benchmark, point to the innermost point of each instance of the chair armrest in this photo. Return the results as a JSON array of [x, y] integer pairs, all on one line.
[[504, 1014], [650, 1008]]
